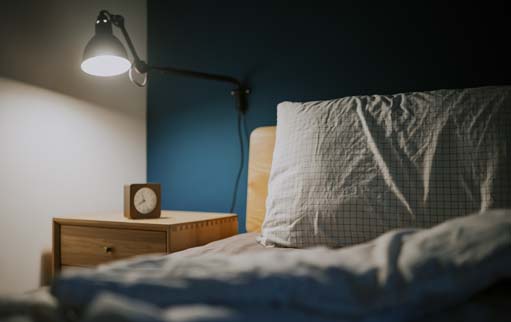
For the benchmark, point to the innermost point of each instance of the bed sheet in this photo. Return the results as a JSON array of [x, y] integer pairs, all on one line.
[[238, 244]]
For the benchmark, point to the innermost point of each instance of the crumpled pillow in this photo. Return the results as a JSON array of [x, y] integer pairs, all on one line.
[[347, 170]]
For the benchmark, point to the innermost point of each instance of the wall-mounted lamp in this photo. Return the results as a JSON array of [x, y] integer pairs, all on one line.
[[105, 55]]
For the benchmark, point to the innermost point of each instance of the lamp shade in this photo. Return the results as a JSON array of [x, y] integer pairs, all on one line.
[[104, 54]]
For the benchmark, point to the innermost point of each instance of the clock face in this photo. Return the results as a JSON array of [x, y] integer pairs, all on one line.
[[145, 200]]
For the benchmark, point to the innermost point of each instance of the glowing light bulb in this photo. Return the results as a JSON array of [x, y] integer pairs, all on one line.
[[105, 65]]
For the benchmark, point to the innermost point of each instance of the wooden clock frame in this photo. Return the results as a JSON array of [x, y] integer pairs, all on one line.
[[129, 207]]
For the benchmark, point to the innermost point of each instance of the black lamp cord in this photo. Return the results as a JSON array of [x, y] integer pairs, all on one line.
[[240, 124]]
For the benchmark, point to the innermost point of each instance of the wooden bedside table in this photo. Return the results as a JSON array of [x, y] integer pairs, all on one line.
[[86, 241]]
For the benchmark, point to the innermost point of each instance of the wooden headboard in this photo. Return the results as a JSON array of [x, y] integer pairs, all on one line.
[[262, 142]]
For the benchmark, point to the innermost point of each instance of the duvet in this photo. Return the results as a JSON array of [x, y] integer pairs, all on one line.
[[458, 270]]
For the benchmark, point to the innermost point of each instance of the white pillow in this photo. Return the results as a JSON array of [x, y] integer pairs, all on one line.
[[346, 170]]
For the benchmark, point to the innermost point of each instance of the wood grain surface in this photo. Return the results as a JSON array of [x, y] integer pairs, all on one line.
[[262, 143]]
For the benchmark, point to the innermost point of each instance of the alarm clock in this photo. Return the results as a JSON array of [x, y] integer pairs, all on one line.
[[142, 200]]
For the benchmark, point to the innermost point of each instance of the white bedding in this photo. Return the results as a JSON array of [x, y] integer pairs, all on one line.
[[403, 275]]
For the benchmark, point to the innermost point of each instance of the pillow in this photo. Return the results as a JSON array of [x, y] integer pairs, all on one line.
[[347, 170]]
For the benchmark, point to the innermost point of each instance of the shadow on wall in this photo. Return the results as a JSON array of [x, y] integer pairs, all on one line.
[[59, 156]]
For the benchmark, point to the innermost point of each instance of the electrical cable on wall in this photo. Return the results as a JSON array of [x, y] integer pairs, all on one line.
[[240, 123], [247, 136]]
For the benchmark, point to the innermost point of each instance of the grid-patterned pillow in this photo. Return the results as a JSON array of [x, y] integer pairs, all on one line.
[[346, 170]]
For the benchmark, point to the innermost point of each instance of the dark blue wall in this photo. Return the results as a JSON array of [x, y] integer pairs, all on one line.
[[292, 51]]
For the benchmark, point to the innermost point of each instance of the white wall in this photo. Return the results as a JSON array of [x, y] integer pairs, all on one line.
[[68, 141]]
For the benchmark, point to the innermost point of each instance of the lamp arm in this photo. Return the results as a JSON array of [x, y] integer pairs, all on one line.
[[118, 21], [191, 73], [240, 93]]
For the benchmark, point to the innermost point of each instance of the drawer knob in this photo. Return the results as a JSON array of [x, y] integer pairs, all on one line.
[[108, 249]]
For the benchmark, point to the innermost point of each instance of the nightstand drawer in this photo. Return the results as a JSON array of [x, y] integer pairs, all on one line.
[[89, 246]]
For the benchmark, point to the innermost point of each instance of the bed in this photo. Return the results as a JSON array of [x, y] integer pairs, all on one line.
[[456, 269]]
